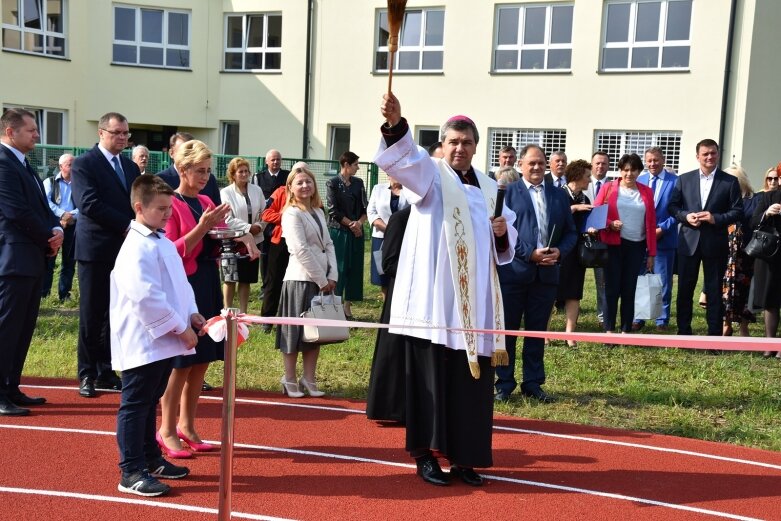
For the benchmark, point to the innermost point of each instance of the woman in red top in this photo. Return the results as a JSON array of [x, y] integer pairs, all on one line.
[[630, 234]]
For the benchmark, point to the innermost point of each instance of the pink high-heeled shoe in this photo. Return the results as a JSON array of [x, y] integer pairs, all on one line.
[[172, 453], [194, 445]]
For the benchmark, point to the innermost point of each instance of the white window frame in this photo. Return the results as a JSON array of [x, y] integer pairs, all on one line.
[[47, 35], [637, 141], [138, 43], [660, 43], [41, 118], [550, 140], [519, 46], [420, 48], [244, 49]]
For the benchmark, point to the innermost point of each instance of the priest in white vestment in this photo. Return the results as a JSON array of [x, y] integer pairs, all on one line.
[[447, 277]]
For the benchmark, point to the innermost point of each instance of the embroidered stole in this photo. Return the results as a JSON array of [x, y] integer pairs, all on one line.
[[460, 244]]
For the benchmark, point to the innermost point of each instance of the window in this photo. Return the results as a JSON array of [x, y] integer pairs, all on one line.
[[642, 35], [421, 41], [151, 37], [340, 141], [34, 26], [229, 138], [253, 42], [427, 136], [549, 140], [618, 143], [51, 124], [534, 37]]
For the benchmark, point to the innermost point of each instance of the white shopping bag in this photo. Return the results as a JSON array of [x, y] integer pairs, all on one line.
[[648, 297]]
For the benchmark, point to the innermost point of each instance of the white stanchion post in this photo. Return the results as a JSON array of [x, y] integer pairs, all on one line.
[[228, 403]]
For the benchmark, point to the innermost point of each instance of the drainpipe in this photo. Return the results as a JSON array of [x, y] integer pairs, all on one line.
[[727, 74], [307, 79]]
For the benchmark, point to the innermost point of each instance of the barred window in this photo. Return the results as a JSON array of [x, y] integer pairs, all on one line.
[[549, 140], [620, 142], [533, 37], [642, 35]]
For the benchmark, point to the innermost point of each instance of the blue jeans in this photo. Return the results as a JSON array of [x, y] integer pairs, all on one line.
[[142, 388]]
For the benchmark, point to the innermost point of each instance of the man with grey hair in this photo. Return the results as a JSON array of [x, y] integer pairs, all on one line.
[[141, 157], [558, 163], [60, 199]]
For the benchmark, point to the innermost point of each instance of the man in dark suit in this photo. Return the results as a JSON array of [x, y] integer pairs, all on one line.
[[269, 179], [558, 163], [662, 182], [29, 232], [546, 233], [102, 177], [171, 176], [705, 201]]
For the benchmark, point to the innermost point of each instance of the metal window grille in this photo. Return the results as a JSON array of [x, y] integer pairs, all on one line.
[[619, 142], [549, 140]]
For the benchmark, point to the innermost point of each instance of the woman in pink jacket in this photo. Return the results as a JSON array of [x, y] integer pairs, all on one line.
[[630, 234]]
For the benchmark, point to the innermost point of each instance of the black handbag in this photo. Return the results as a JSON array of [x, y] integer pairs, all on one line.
[[764, 243], [592, 253]]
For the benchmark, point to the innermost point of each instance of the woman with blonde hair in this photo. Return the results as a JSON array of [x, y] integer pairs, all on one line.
[[771, 182], [311, 269], [192, 217], [247, 203]]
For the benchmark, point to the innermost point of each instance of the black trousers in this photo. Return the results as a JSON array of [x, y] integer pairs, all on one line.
[[142, 388], [448, 411], [624, 264], [94, 347], [20, 299], [713, 269], [276, 265]]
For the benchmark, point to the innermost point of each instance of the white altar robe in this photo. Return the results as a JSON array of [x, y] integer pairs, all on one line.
[[424, 291]]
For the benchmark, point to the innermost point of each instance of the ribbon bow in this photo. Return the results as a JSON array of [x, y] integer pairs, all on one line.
[[217, 328]]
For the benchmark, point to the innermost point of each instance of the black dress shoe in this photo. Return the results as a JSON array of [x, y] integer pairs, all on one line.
[[467, 475], [87, 387], [22, 400], [7, 408], [539, 394], [109, 382], [429, 470], [502, 396], [206, 386]]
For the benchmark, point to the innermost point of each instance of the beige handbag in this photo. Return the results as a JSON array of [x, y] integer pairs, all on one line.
[[325, 306]]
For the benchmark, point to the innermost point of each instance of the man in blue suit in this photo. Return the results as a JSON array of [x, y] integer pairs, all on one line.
[[29, 232], [102, 178], [546, 233], [171, 176], [705, 201], [662, 182]]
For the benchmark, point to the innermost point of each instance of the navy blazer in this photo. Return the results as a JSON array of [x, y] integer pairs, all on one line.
[[104, 205], [26, 221], [668, 223], [211, 190], [725, 203], [521, 270]]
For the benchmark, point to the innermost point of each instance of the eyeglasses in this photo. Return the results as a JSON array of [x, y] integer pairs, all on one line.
[[772, 179], [122, 133]]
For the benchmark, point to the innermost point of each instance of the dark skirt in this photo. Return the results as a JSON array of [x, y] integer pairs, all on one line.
[[572, 275], [208, 297], [349, 262], [767, 283], [386, 400], [448, 411], [376, 278], [248, 270], [296, 298]]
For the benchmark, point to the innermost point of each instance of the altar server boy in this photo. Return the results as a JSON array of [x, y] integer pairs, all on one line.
[[152, 316]]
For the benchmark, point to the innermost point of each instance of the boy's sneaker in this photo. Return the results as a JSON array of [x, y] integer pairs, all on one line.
[[142, 484], [160, 468]]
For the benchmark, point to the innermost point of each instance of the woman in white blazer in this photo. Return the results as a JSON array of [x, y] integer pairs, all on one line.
[[311, 269], [386, 199], [247, 204]]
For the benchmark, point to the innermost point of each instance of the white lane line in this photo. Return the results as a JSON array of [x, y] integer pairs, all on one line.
[[129, 501], [344, 457], [682, 452]]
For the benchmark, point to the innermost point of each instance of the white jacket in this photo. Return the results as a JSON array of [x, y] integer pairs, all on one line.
[[312, 254], [151, 300], [237, 220], [379, 206]]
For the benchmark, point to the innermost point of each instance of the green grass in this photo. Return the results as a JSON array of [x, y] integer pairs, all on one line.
[[734, 398]]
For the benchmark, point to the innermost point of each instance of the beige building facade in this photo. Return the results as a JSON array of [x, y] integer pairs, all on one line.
[[307, 76]]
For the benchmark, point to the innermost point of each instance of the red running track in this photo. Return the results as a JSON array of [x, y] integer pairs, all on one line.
[[322, 459]]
